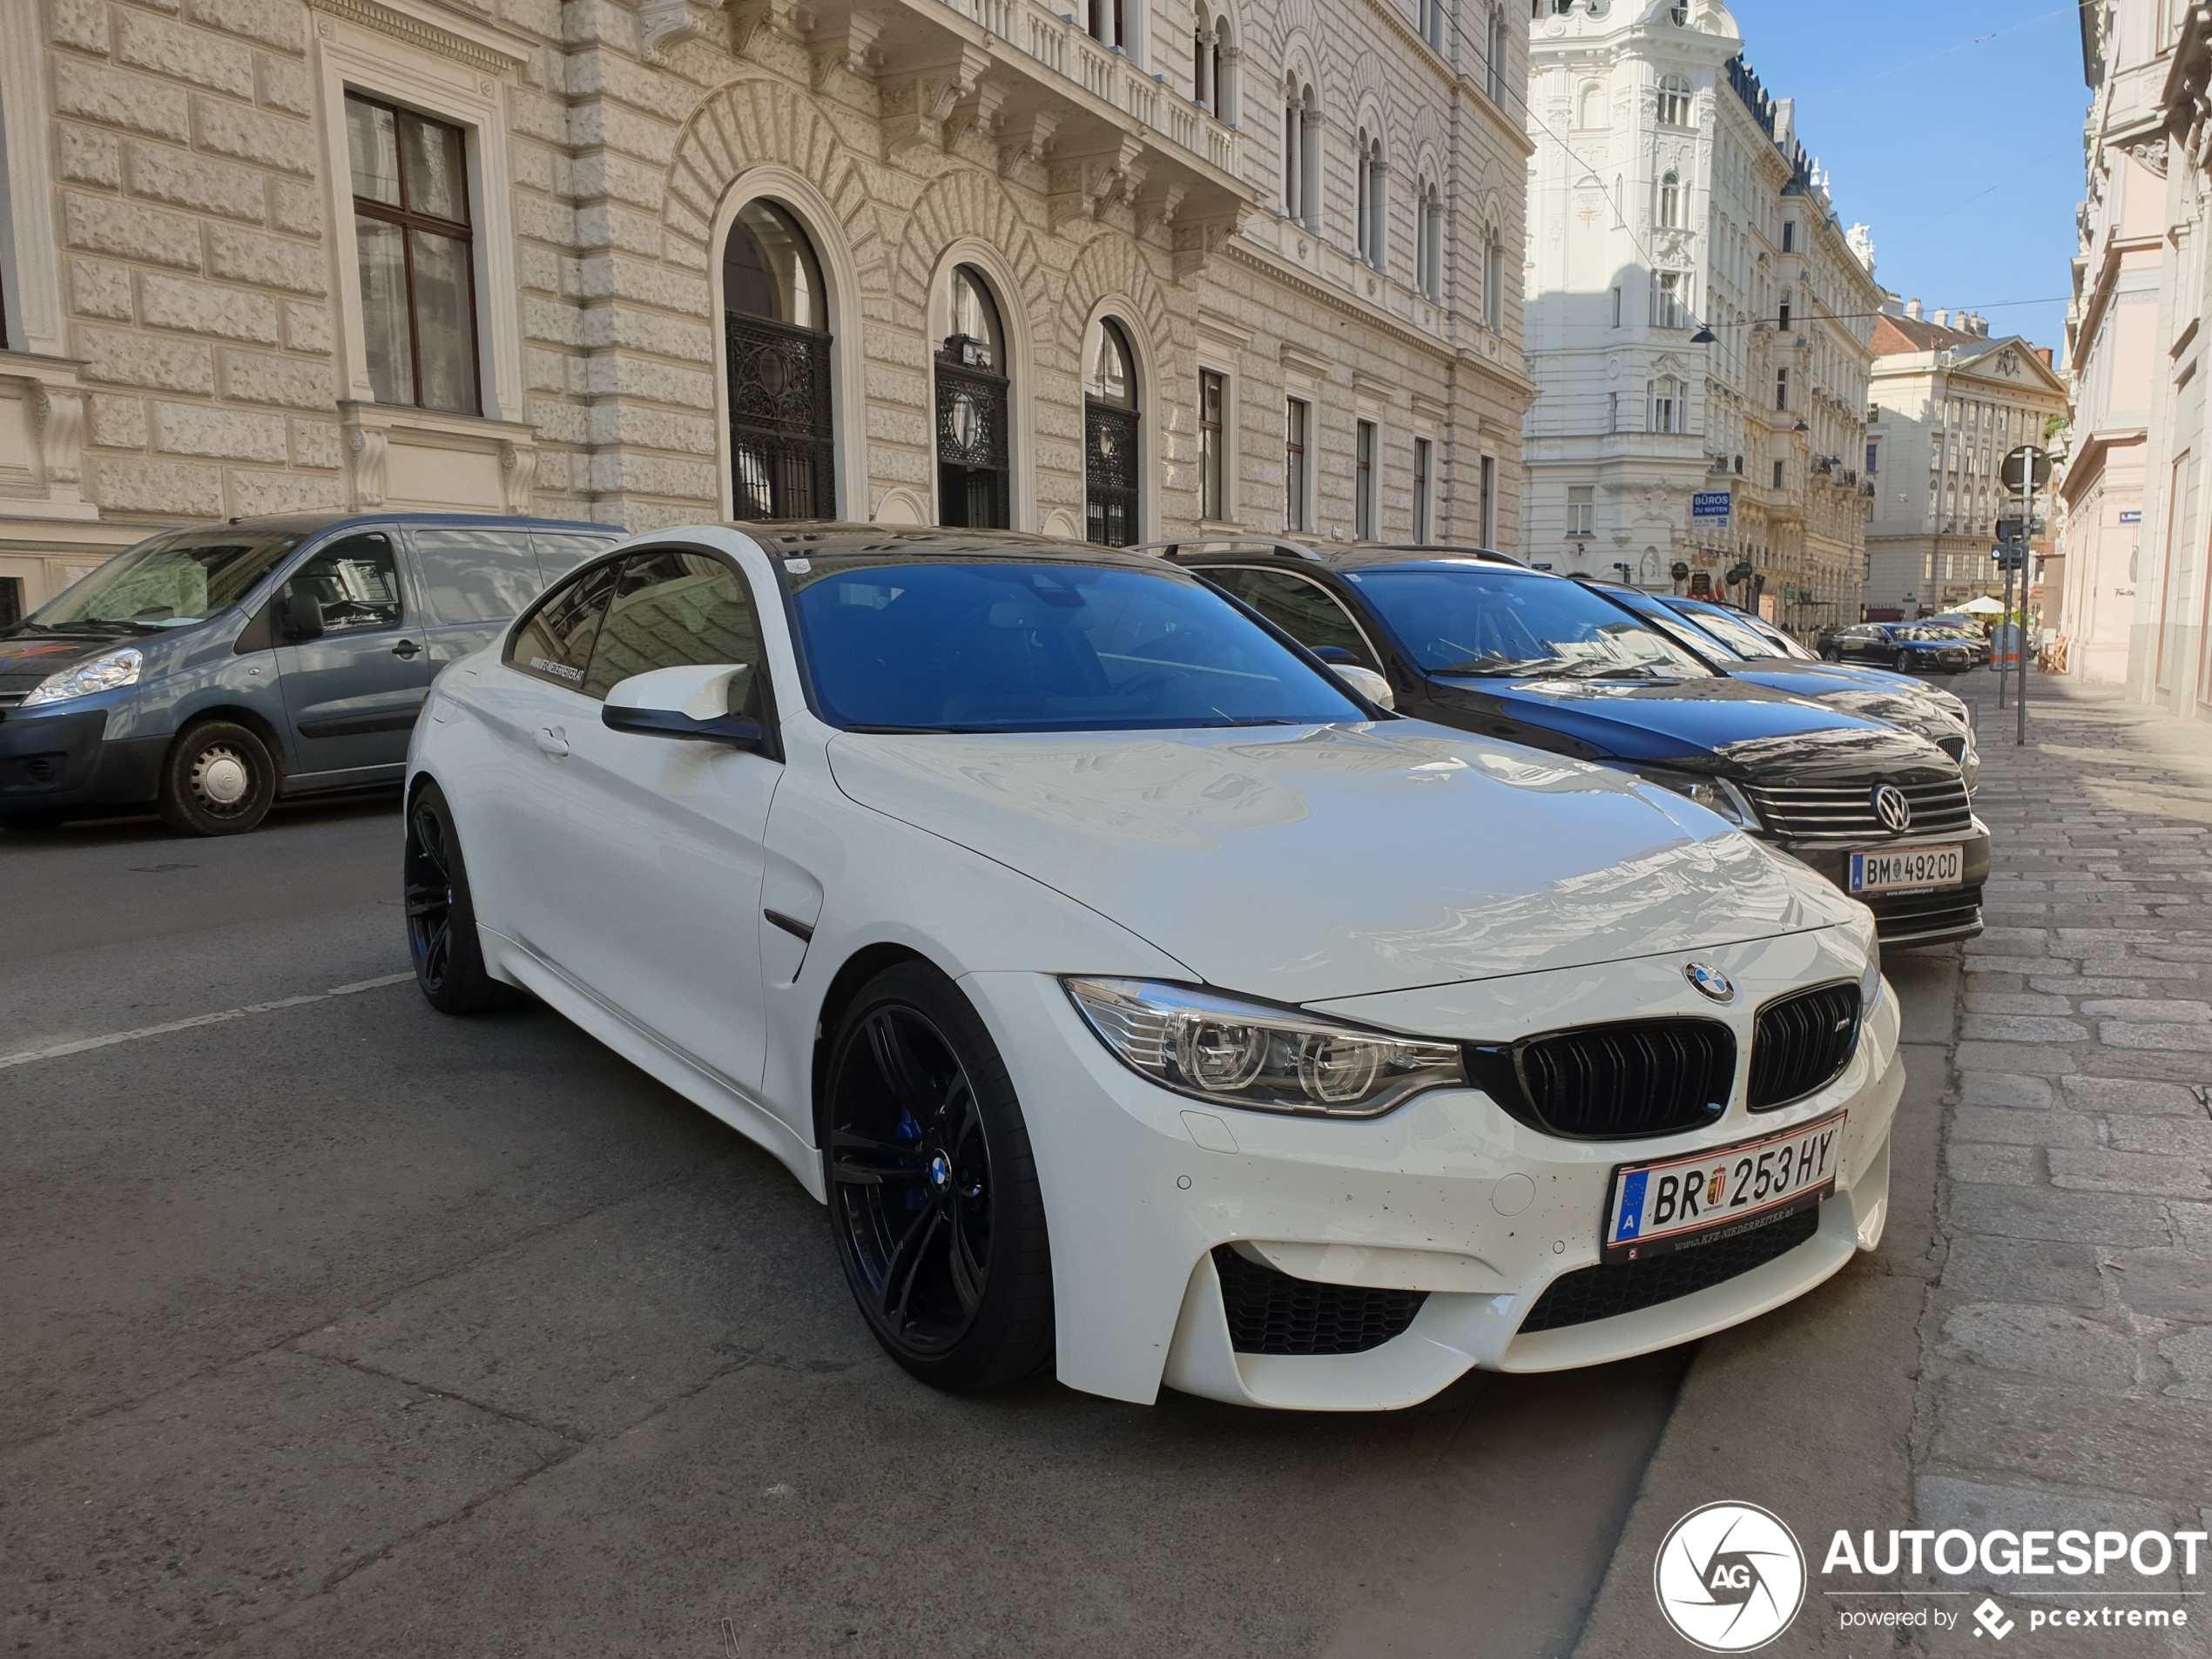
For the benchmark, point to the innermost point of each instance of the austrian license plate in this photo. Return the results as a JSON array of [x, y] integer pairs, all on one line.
[[1906, 867], [1696, 1198]]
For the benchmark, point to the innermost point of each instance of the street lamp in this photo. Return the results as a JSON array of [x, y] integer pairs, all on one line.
[[1704, 336]]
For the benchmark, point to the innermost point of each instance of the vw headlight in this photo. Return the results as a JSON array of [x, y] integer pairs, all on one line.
[[1714, 794], [102, 673], [1249, 1054]]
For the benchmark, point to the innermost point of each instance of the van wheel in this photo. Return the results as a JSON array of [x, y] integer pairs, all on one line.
[[441, 938], [219, 779]]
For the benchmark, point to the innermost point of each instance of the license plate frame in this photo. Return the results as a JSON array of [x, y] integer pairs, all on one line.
[[1856, 879], [1740, 1160]]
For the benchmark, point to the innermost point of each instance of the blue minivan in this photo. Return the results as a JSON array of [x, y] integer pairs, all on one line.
[[207, 671]]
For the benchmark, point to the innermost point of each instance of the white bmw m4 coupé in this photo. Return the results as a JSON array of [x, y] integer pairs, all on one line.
[[1141, 1000]]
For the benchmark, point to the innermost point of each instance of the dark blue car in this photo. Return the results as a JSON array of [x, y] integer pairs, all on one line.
[[1480, 643], [1908, 647], [207, 671]]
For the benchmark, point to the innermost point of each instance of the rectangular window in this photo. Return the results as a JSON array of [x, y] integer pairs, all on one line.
[[1781, 388], [411, 228], [1363, 481], [1487, 523], [1423, 452], [1211, 503], [1297, 414], [1783, 319], [1494, 284], [1613, 407], [11, 601], [1669, 299], [1581, 507], [1873, 457], [1777, 474], [1616, 307], [1789, 236]]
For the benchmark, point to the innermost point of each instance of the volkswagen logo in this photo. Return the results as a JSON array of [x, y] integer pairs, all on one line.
[[1891, 808], [1710, 981]]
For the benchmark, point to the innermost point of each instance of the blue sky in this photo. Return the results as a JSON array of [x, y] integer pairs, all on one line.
[[1966, 165]]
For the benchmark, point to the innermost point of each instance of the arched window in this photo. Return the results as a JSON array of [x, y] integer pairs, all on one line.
[[1666, 413], [974, 469], [1107, 22], [1373, 207], [1670, 200], [1111, 507], [1226, 93], [1301, 157], [1429, 254], [1363, 180], [1494, 283], [1674, 102], [1213, 67], [1494, 58], [776, 339]]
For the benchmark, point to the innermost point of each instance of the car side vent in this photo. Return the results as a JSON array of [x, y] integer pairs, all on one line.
[[1271, 1313], [1801, 1042], [1611, 1083]]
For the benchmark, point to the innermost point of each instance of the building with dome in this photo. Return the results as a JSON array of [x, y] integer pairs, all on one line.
[[1699, 320]]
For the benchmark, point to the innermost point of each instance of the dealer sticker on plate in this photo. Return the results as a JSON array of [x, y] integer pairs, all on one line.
[[1727, 1189], [1905, 866]]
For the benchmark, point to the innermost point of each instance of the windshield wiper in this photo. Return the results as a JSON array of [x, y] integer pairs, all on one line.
[[1491, 667], [1610, 670]]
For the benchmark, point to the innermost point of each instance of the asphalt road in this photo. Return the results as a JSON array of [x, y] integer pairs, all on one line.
[[340, 1327]]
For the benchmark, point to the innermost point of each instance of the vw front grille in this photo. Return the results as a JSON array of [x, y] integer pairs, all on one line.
[[1845, 812]]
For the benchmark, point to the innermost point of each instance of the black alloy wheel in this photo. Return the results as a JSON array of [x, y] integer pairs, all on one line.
[[217, 778], [1832, 655], [932, 1189], [441, 938]]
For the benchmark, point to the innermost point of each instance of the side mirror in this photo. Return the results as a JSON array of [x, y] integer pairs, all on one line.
[[302, 617], [691, 702], [1366, 682]]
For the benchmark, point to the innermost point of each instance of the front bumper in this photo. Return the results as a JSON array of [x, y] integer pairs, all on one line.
[[1447, 1194], [62, 761], [1922, 916]]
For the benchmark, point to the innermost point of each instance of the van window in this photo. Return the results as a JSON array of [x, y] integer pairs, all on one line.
[[357, 582], [475, 575], [559, 553], [554, 643]]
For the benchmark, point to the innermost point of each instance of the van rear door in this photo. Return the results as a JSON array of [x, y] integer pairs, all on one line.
[[473, 583]]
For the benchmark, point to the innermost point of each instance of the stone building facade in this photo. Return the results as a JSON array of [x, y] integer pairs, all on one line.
[[1948, 403], [1672, 201], [1244, 262]]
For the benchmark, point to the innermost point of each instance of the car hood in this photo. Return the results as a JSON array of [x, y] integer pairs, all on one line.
[[1855, 695], [1721, 725], [1303, 863], [25, 659]]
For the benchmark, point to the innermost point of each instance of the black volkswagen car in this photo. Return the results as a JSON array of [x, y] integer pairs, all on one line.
[[1479, 642], [1908, 647]]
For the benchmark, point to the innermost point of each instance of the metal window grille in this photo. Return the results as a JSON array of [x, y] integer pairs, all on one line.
[[782, 447]]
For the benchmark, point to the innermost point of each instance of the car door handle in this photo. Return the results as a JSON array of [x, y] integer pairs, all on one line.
[[552, 739], [406, 649]]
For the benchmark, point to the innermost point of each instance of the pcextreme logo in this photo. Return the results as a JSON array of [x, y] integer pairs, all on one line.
[[1730, 1577]]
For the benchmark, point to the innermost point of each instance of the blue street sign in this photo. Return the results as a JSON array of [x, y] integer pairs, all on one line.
[[2131, 515], [1710, 506]]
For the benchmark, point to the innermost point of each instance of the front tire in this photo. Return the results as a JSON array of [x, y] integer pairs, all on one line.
[[933, 1188], [218, 779], [441, 938], [1832, 655]]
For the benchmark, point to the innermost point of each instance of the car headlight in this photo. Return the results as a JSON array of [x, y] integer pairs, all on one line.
[[1249, 1054], [102, 673], [1969, 763], [1714, 794], [1869, 982]]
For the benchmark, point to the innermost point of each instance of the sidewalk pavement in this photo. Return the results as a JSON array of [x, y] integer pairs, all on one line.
[[2032, 1345], [2066, 1376]]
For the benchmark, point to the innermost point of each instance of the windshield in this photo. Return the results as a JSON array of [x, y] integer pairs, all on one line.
[[1736, 635], [968, 646], [1482, 620], [171, 581]]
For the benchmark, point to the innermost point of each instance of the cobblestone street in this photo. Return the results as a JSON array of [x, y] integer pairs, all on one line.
[[2067, 1375]]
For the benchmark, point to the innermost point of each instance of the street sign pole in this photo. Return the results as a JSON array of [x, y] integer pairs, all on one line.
[[2026, 471], [2003, 623]]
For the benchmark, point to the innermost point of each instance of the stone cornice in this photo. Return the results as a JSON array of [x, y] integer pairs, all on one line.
[[478, 48]]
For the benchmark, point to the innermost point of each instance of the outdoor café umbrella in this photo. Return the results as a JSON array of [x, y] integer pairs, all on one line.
[[1983, 607]]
